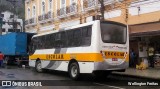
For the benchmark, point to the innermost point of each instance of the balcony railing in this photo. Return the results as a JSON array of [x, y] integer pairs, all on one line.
[[41, 17], [93, 4], [72, 9], [67, 11], [107, 2], [61, 12], [31, 21], [26, 22], [45, 17], [89, 4], [48, 15]]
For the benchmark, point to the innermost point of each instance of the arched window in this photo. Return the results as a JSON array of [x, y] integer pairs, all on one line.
[[73, 1], [28, 13], [43, 7], [63, 3], [50, 5], [34, 11]]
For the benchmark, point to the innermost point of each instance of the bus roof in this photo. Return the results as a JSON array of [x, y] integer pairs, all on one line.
[[73, 27], [67, 28]]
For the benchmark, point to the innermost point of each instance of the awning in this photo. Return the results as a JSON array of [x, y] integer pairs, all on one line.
[[146, 29], [145, 34]]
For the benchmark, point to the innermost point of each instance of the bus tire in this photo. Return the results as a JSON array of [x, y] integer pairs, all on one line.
[[74, 71], [38, 66]]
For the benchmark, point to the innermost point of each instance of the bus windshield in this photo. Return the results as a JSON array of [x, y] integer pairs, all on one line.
[[113, 33]]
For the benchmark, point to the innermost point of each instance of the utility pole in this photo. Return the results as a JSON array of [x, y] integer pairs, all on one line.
[[102, 9], [80, 11]]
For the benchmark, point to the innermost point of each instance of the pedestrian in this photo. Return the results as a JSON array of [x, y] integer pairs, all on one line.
[[1, 59], [151, 55], [133, 58]]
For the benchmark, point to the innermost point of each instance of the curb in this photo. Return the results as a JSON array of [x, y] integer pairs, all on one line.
[[136, 76]]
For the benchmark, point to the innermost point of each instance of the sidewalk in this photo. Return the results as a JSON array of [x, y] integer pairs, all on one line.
[[150, 73]]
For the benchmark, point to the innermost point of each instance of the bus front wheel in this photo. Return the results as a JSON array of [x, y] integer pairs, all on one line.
[[74, 71], [38, 66]]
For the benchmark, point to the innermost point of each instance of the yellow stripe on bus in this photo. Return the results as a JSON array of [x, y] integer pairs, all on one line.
[[88, 57], [115, 54], [67, 57]]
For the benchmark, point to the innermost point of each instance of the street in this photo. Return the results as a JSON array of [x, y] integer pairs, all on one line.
[[61, 80], [80, 36]]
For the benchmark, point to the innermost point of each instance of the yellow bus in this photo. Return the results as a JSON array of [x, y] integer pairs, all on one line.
[[97, 47]]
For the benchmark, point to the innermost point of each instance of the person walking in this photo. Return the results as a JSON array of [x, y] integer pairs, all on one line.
[[1, 59], [133, 58], [151, 55]]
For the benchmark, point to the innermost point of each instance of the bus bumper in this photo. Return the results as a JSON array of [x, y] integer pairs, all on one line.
[[108, 67]]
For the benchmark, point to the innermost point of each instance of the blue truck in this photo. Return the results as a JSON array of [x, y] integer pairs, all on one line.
[[14, 46]]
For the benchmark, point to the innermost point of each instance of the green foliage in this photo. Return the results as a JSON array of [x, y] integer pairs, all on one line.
[[20, 12], [5, 8]]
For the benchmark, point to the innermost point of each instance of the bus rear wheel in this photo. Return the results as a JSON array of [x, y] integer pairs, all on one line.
[[74, 71], [38, 67]]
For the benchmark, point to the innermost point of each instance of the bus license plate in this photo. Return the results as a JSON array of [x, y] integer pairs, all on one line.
[[114, 59]]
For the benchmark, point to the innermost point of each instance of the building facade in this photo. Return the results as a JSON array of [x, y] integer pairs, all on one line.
[[142, 16], [47, 15], [144, 26], [9, 18]]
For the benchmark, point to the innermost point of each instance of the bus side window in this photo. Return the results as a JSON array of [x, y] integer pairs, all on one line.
[[63, 39], [38, 46], [86, 36], [45, 45], [47, 41], [32, 46], [70, 38], [57, 40], [77, 38], [52, 40], [42, 42]]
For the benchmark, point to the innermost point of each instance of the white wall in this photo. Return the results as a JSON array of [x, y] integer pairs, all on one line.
[[69, 23], [143, 7], [7, 18], [112, 14]]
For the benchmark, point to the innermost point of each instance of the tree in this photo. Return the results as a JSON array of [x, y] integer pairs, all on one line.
[[14, 6], [5, 8]]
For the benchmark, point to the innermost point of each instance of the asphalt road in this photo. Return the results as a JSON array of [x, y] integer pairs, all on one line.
[[61, 80]]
